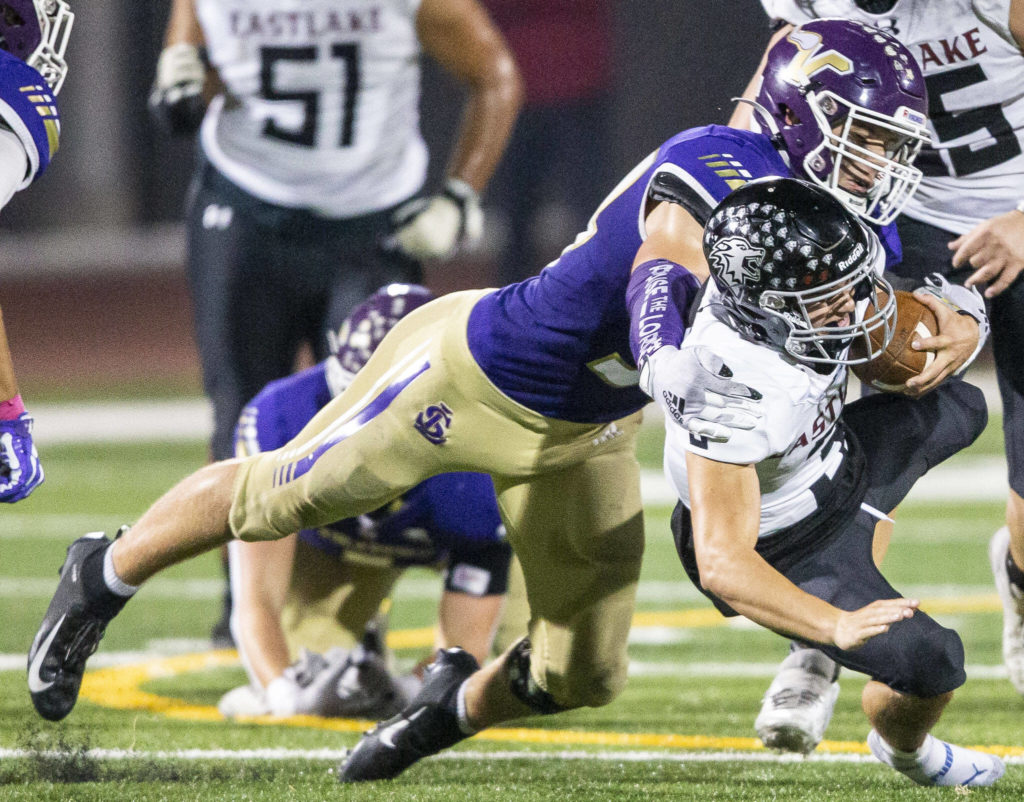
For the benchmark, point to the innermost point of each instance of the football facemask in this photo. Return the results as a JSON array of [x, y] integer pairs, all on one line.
[[872, 322], [896, 178], [37, 32]]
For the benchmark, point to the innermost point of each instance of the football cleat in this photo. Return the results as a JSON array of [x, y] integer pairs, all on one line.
[[69, 634], [1013, 608], [426, 726], [797, 706], [941, 763]]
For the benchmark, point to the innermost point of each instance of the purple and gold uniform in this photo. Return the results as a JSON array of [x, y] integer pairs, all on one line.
[[29, 109], [448, 520], [344, 570], [535, 385]]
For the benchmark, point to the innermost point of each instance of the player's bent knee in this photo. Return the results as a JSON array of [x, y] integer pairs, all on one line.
[[577, 689], [933, 665]]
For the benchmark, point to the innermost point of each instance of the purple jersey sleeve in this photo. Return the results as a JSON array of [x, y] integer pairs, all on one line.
[[29, 109]]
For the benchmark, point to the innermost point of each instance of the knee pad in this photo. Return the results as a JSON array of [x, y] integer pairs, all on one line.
[[522, 684]]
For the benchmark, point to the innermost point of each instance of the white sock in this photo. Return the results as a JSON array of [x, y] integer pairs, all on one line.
[[113, 582], [460, 707]]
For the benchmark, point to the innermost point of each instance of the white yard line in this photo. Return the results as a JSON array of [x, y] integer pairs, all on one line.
[[667, 755], [970, 479]]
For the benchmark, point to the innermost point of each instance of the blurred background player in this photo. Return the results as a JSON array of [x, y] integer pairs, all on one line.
[[310, 155], [557, 165], [966, 219], [776, 523], [319, 590], [33, 38]]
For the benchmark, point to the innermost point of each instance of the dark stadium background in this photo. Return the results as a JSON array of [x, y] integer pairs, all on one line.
[[91, 274]]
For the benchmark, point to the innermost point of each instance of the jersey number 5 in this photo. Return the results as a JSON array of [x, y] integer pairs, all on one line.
[[305, 134], [949, 125]]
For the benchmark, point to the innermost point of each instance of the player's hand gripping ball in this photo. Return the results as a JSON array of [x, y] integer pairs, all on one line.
[[890, 370]]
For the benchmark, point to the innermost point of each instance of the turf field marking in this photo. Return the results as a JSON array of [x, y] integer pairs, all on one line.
[[120, 688], [476, 755]]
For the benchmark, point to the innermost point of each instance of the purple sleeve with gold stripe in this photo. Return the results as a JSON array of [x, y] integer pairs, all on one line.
[[29, 109]]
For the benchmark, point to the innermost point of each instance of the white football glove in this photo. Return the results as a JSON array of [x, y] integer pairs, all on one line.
[[962, 300], [434, 228], [695, 389], [245, 700], [176, 100]]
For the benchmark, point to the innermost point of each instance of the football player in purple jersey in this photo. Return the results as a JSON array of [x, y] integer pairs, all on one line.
[[33, 38], [312, 595], [536, 384]]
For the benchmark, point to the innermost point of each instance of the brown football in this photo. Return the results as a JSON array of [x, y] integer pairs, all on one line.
[[890, 370]]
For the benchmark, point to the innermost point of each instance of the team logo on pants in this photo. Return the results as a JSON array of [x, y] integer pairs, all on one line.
[[433, 422]]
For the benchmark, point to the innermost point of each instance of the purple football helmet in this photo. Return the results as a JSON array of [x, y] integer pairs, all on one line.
[[826, 84], [37, 31], [365, 327]]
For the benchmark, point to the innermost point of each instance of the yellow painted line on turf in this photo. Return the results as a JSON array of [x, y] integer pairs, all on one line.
[[120, 688]]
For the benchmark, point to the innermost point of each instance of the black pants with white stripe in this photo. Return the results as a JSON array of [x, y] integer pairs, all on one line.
[[265, 278]]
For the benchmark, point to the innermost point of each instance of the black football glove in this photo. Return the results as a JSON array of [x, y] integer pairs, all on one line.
[[176, 101]]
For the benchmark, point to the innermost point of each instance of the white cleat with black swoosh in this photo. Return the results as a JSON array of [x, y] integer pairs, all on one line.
[[69, 634]]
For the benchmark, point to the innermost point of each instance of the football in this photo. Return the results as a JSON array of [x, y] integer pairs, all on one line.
[[890, 370]]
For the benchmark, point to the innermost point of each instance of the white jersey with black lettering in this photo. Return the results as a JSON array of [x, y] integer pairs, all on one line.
[[321, 102], [974, 70], [796, 445]]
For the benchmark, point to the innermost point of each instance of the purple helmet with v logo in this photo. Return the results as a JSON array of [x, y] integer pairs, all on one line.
[[849, 104]]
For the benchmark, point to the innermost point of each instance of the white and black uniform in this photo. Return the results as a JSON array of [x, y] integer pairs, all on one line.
[[974, 71], [321, 108], [827, 474], [305, 154]]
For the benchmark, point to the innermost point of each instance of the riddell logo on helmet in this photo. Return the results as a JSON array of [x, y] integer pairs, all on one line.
[[853, 258]]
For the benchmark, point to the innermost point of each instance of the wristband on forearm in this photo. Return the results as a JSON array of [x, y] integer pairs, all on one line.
[[658, 297], [11, 408]]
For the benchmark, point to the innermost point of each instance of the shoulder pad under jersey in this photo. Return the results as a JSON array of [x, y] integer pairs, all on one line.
[[29, 109]]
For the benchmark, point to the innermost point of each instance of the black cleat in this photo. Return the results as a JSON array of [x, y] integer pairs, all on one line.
[[69, 634], [426, 726]]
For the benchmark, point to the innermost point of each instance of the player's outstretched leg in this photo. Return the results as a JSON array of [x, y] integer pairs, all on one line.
[[72, 627], [797, 706], [1013, 608], [939, 763], [427, 725]]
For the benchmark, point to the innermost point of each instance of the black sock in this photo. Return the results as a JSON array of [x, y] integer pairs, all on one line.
[[101, 598], [1015, 573]]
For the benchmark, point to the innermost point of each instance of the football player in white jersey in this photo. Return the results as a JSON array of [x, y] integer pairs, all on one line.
[[776, 523], [966, 220], [303, 203], [311, 153], [33, 37]]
